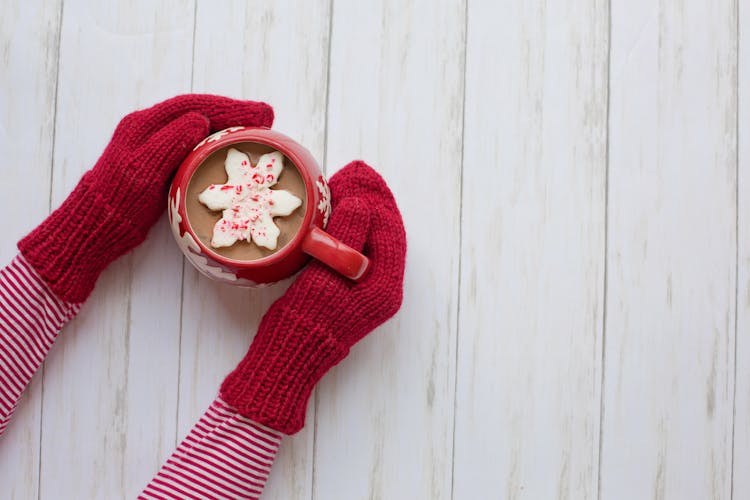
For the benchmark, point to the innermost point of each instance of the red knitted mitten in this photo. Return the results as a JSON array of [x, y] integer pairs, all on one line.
[[115, 204], [312, 327]]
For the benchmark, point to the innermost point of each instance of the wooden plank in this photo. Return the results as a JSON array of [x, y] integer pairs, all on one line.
[[276, 52], [741, 444], [28, 57], [385, 414], [669, 349], [111, 382], [533, 236]]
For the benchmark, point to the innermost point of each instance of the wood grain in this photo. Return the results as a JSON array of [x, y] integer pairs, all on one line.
[[532, 251], [669, 356], [384, 422], [741, 444], [579, 243], [110, 398], [28, 79], [275, 52]]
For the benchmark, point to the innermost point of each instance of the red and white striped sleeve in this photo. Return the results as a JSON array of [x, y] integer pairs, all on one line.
[[225, 456], [31, 316]]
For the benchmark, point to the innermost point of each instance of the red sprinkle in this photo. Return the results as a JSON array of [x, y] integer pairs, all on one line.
[[226, 187]]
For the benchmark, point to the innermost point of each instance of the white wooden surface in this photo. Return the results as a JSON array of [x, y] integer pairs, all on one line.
[[575, 181], [741, 478], [671, 256], [532, 251]]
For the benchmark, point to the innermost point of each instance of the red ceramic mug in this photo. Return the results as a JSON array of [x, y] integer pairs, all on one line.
[[310, 241]]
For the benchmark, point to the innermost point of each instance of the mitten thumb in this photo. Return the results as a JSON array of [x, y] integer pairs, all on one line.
[[350, 222]]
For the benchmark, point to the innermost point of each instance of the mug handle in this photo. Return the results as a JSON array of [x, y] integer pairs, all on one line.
[[340, 257]]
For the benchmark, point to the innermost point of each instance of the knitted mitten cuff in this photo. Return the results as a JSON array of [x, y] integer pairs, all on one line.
[[273, 385], [68, 250]]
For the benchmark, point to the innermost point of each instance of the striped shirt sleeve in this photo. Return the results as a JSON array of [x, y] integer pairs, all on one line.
[[225, 456], [31, 316]]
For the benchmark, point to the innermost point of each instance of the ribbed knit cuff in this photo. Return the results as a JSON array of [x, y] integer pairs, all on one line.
[[76, 242], [273, 383]]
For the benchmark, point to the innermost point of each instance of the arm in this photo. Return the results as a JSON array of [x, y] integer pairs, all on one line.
[[108, 214], [224, 456], [30, 318], [304, 333]]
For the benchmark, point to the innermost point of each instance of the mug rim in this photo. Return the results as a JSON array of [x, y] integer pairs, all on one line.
[[267, 137]]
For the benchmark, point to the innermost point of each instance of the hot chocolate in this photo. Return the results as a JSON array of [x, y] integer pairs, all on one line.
[[214, 226]]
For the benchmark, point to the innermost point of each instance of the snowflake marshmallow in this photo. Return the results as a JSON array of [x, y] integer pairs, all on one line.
[[247, 202]]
